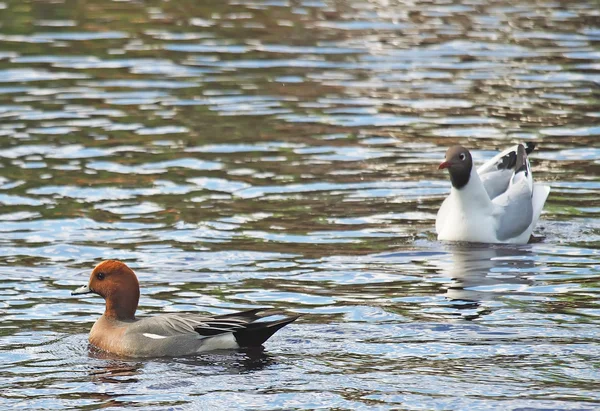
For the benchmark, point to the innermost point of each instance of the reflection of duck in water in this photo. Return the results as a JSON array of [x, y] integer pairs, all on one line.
[[496, 203], [482, 272], [228, 362], [112, 369]]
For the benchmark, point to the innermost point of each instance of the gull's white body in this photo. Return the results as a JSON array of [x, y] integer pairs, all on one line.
[[495, 206]]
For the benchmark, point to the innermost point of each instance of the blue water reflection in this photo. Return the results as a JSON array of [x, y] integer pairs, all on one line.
[[284, 154]]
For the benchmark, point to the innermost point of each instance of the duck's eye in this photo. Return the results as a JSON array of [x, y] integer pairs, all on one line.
[[462, 156], [100, 276]]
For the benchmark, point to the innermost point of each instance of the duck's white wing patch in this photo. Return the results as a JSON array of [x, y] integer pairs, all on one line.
[[172, 325], [154, 336], [164, 326]]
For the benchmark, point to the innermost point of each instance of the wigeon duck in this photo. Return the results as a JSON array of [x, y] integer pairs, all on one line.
[[118, 330], [496, 203]]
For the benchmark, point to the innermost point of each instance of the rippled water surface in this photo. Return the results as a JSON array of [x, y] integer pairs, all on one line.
[[284, 153]]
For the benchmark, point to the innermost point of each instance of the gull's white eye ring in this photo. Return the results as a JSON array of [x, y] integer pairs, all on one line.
[[462, 156]]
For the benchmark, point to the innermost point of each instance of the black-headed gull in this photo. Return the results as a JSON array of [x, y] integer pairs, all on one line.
[[496, 203]]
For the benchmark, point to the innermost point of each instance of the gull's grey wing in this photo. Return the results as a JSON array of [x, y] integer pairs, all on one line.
[[514, 206], [496, 173], [496, 182], [516, 212]]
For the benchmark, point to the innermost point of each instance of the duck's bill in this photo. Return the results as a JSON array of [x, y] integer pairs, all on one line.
[[82, 290]]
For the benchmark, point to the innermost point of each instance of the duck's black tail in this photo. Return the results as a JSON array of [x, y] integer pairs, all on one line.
[[255, 334]]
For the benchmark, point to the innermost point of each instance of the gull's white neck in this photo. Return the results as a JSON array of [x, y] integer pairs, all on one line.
[[472, 194]]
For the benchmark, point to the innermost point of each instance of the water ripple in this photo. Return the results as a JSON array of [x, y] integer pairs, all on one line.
[[284, 154]]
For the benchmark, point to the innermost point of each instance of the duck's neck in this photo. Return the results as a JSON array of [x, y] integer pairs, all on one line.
[[122, 307]]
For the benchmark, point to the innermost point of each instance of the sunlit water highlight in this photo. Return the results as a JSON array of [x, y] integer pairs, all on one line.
[[284, 153]]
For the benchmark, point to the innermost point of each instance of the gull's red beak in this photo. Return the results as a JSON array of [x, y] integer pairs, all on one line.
[[445, 164]]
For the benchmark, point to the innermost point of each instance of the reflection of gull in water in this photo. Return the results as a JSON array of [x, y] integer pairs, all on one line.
[[481, 272]]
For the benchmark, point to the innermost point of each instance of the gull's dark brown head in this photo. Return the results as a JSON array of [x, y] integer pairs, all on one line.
[[459, 164]]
